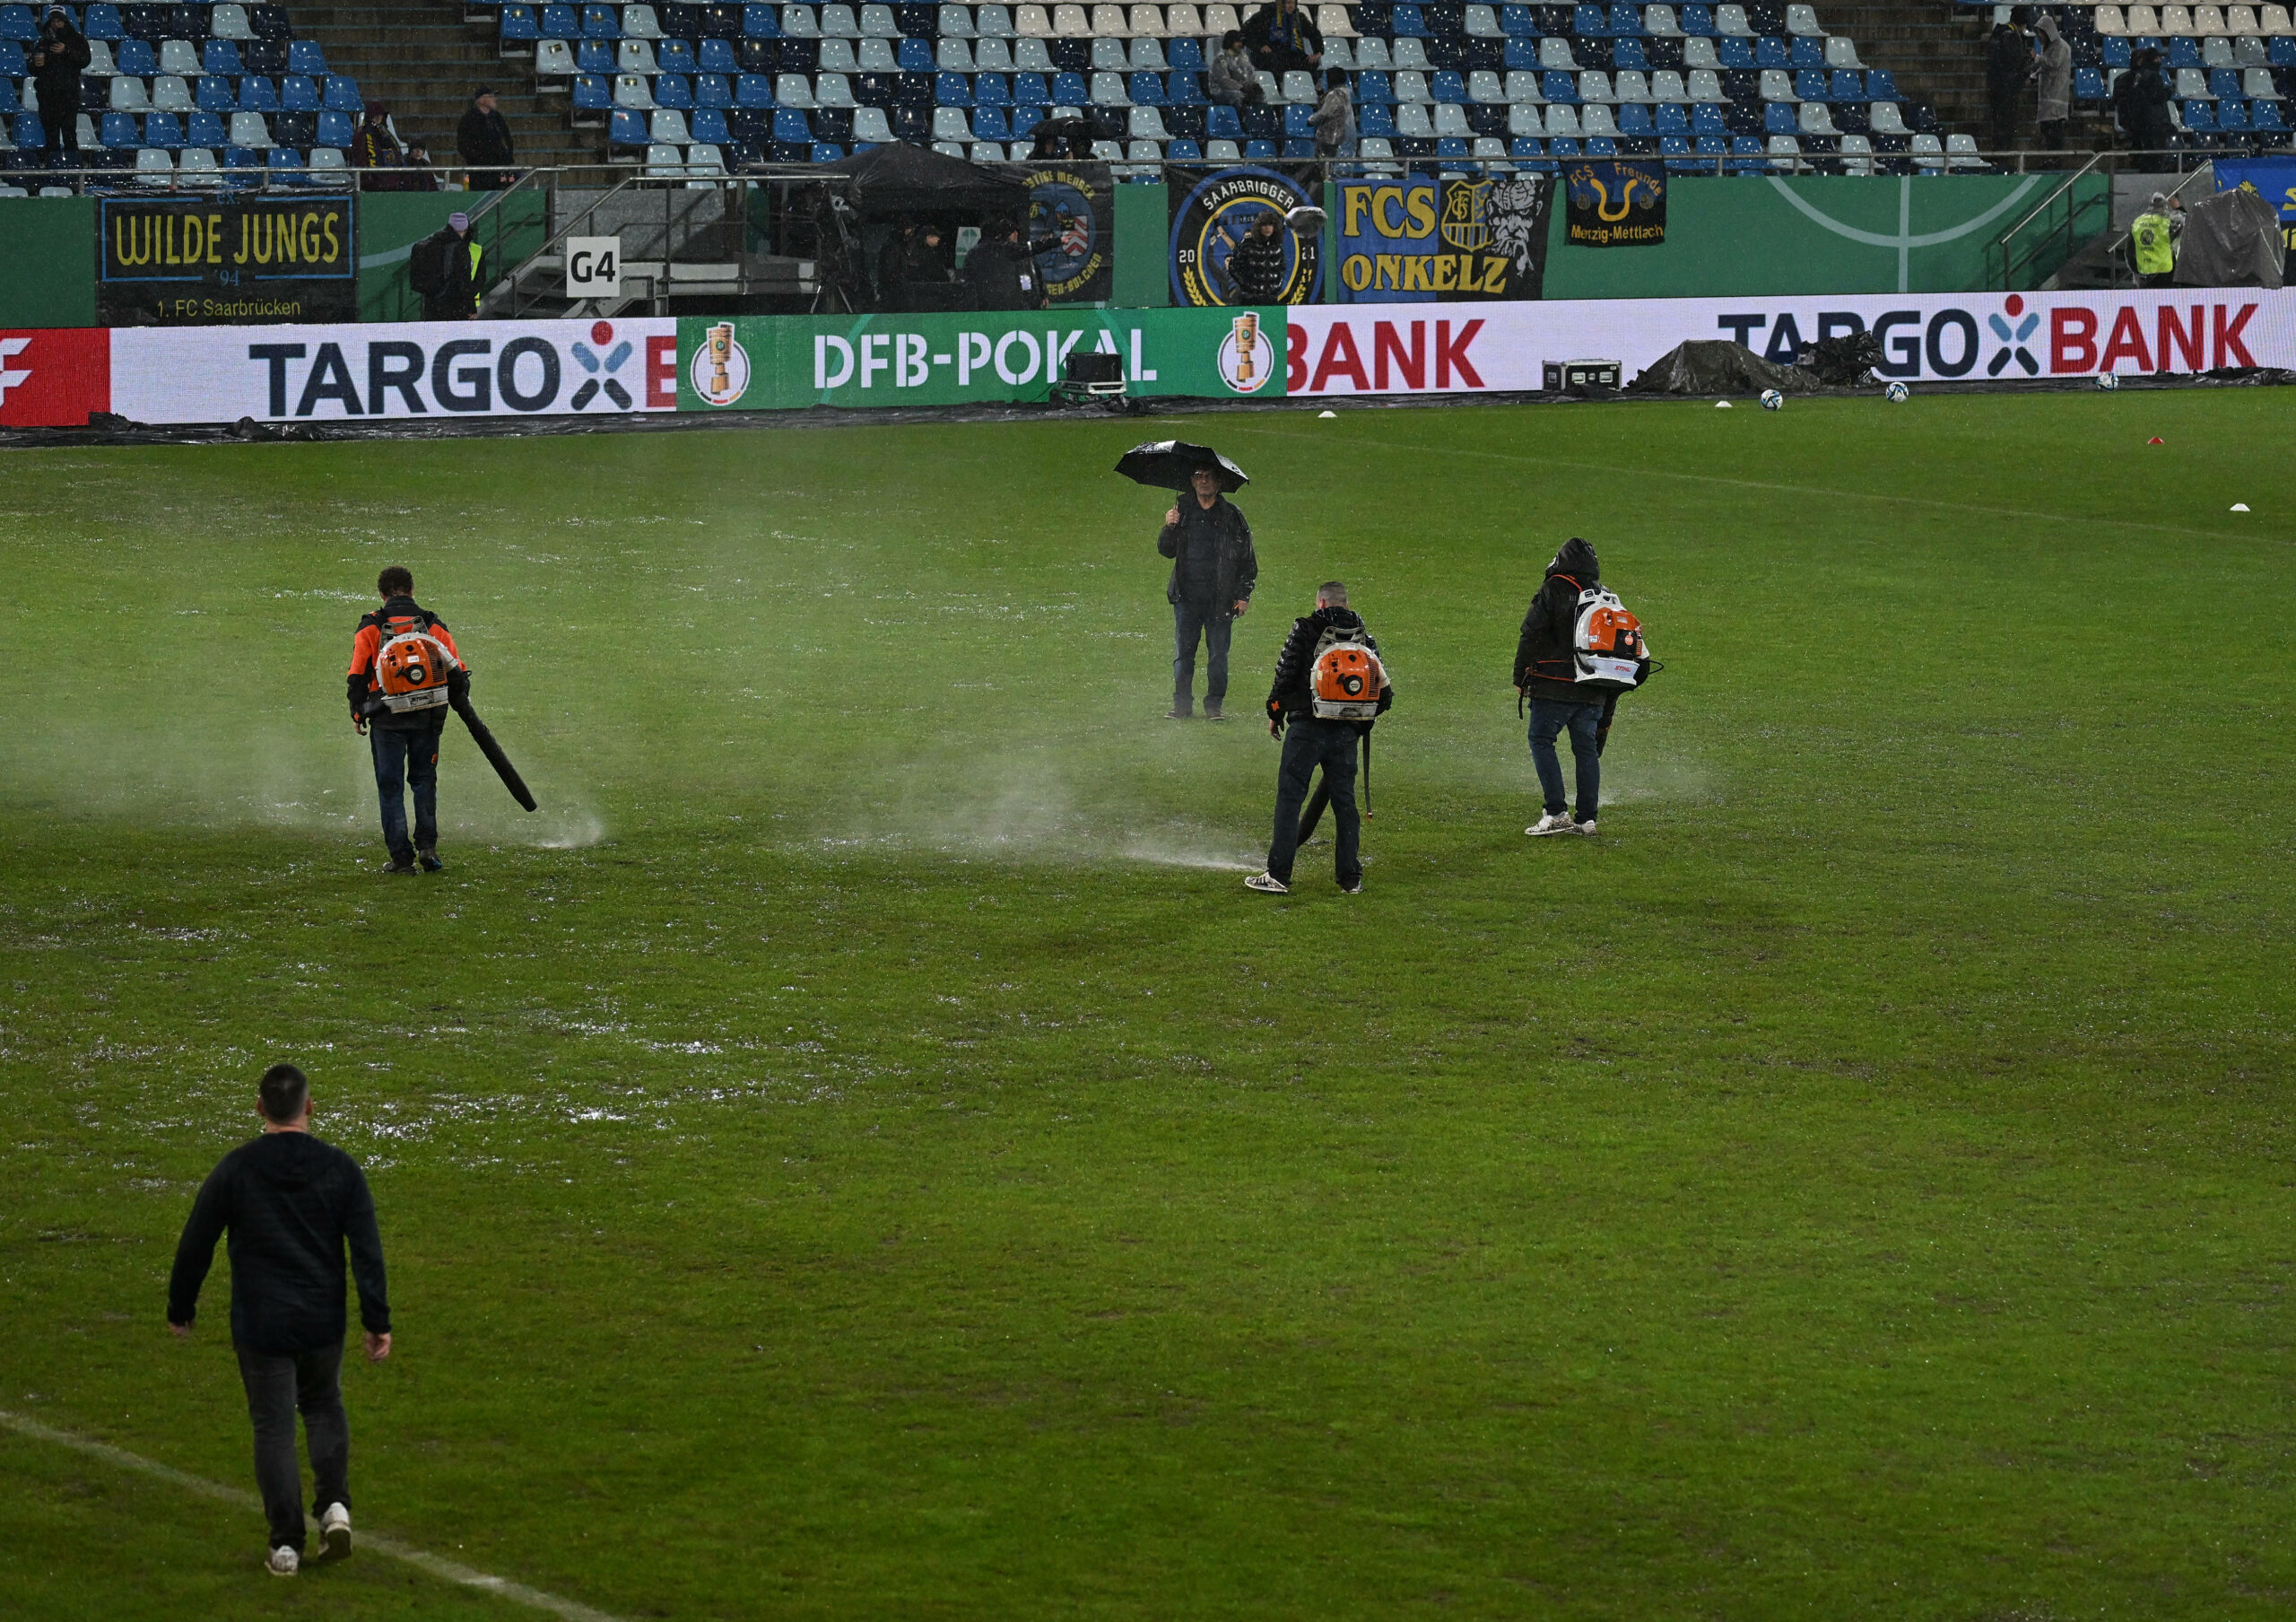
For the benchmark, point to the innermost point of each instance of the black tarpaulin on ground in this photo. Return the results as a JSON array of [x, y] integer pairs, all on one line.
[[2231, 239], [891, 182], [1718, 366]]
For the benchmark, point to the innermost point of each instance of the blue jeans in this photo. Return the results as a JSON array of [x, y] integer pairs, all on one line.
[[1217, 627], [1308, 743], [1549, 717], [408, 760]]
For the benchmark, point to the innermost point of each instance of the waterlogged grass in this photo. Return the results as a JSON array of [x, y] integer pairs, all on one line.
[[860, 1151]]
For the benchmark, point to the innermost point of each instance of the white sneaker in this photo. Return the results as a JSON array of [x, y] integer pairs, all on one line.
[[334, 1533], [284, 1561], [1268, 883], [1553, 821], [1587, 827]]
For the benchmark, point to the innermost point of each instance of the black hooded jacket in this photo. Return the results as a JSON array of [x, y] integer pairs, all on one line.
[[290, 1204], [64, 58], [1545, 664], [1213, 565], [1290, 695]]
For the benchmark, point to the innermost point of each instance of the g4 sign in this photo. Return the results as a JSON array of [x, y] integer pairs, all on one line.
[[594, 267]]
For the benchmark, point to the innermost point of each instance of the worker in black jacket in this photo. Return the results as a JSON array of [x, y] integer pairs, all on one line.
[[57, 58], [483, 140], [1546, 672], [1281, 36], [291, 1205], [1002, 268], [1311, 742]]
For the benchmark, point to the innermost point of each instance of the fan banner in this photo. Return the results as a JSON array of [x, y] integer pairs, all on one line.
[[1213, 210], [1073, 205], [1614, 204], [1453, 241], [215, 261]]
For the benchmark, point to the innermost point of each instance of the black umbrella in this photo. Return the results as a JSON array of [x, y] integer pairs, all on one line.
[[1168, 465]]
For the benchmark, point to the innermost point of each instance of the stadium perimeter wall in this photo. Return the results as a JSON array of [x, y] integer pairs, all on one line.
[[1767, 235], [442, 373]]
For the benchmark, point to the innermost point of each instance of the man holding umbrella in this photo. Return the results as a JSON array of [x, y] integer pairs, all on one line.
[[1213, 565]]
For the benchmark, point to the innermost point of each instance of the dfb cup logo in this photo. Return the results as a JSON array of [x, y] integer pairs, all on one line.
[[1246, 358], [720, 372]]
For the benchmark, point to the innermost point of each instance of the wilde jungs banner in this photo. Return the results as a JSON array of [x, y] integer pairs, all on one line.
[[1615, 205], [1417, 239], [1074, 204], [218, 261], [1213, 210]]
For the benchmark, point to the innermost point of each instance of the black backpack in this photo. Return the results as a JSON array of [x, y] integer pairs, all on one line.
[[426, 267]]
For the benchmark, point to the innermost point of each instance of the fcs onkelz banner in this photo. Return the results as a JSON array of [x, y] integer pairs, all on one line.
[[1213, 212], [395, 369], [789, 362], [220, 261], [1416, 240], [1615, 205], [1075, 205]]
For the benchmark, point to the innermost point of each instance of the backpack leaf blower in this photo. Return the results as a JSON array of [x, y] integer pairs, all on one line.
[[487, 746]]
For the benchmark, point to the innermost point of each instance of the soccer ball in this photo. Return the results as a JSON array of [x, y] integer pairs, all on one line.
[[1897, 393], [1771, 399], [2107, 379]]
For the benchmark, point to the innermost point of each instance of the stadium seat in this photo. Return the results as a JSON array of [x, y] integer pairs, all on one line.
[[334, 128], [170, 94]]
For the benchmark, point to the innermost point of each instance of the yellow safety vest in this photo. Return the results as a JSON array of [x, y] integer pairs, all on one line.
[[2156, 249]]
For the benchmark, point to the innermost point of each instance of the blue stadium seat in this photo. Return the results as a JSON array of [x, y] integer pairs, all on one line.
[[212, 94], [1517, 22], [298, 94], [305, 57], [284, 163], [2088, 85], [257, 94], [1671, 118], [1634, 120], [949, 89], [1706, 119], [1696, 21], [1368, 121], [1184, 55], [1032, 89], [1220, 124], [1625, 19], [220, 57], [789, 125], [1590, 22], [1772, 53], [2200, 117], [1880, 85], [1446, 86], [1146, 90], [1298, 122], [102, 22], [118, 130], [334, 128], [762, 21], [1779, 119], [1182, 90], [989, 122], [1069, 90], [674, 56], [1809, 86], [1259, 152], [753, 90], [990, 90], [1628, 54], [136, 58], [709, 124], [1845, 86], [1406, 23], [1806, 52], [592, 94], [341, 94], [713, 90], [601, 23], [2223, 83], [558, 22], [203, 128], [673, 89], [1732, 52], [824, 152], [716, 57], [160, 129], [1374, 88], [1559, 86], [595, 56], [628, 127]]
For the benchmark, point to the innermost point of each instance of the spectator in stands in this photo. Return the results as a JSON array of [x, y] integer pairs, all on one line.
[[1213, 570], [57, 59], [1282, 37], [1335, 117], [2141, 102], [1229, 78], [1002, 267], [451, 270], [1256, 264], [2055, 86], [375, 147], [483, 139], [914, 256], [1058, 138], [2008, 64]]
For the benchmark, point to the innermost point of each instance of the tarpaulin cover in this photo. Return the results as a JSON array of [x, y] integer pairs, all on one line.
[[2231, 239], [1720, 366], [898, 179]]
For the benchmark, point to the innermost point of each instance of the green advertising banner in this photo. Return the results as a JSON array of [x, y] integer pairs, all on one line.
[[788, 363]]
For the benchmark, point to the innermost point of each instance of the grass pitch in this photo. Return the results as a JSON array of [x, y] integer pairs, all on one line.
[[860, 1151]]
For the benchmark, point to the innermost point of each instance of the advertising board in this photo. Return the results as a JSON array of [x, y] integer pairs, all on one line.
[[422, 368], [1924, 337], [222, 261]]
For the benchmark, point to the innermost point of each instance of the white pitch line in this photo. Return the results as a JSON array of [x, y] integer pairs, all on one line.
[[391, 1548]]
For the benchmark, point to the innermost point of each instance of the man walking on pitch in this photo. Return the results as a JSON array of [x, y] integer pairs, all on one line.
[[405, 669], [291, 1205], [1213, 571], [1316, 736]]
